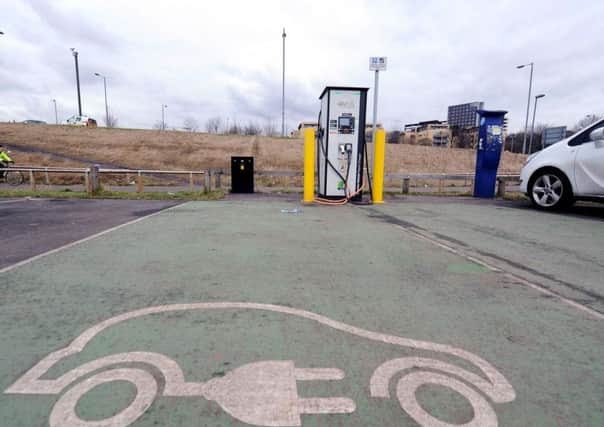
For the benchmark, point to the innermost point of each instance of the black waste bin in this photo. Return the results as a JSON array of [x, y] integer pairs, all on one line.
[[242, 174]]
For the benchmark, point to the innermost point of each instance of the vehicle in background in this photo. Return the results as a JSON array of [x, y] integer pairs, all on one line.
[[34, 122], [571, 169], [80, 121]]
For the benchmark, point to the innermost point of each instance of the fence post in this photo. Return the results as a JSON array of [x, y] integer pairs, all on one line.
[[406, 185], [218, 180], [87, 180], [207, 181], [440, 185], [140, 186], [191, 183], [32, 181], [500, 187], [95, 179], [46, 177]]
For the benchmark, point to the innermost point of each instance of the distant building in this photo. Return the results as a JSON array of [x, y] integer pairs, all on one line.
[[464, 115], [369, 130], [302, 126], [432, 132]]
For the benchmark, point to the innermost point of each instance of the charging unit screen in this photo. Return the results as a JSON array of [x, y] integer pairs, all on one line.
[[346, 124]]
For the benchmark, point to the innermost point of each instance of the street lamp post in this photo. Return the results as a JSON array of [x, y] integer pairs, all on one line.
[[75, 57], [163, 121], [528, 103], [533, 125], [283, 89], [56, 115], [106, 106]]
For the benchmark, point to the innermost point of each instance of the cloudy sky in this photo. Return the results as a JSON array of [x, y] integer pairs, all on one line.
[[207, 58]]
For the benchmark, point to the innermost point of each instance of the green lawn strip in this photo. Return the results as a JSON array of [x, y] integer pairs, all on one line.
[[67, 194]]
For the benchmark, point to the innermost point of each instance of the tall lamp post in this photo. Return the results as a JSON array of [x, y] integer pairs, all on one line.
[[283, 88], [77, 70], [533, 125], [107, 124], [163, 121], [56, 115], [528, 103]]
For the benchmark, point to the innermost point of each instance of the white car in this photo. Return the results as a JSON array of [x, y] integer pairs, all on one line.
[[80, 121], [571, 169]]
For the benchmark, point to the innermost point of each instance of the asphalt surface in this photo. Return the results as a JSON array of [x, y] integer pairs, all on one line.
[[34, 226], [423, 309]]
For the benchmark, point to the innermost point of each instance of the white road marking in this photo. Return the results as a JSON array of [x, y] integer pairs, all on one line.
[[264, 393], [484, 416], [25, 199], [512, 276], [64, 412], [85, 239]]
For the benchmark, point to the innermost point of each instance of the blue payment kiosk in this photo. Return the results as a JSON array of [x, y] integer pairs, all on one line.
[[490, 144]]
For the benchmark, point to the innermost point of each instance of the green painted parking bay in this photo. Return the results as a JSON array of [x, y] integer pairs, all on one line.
[[234, 313]]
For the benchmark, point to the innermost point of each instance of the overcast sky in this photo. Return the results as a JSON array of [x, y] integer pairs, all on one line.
[[206, 58]]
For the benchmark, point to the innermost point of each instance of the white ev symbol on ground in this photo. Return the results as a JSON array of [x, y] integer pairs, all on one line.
[[262, 393]]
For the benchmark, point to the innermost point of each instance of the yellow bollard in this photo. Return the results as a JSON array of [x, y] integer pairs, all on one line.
[[309, 165], [379, 151]]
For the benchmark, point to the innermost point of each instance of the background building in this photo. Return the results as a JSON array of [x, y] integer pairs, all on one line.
[[464, 115], [369, 130], [432, 132], [304, 125], [463, 122]]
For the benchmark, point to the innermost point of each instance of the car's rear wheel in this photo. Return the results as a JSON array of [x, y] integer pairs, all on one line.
[[549, 189]]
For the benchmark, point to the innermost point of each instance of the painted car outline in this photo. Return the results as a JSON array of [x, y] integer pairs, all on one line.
[[493, 384]]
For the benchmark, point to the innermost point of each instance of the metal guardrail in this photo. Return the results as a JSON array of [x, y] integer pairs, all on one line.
[[442, 177], [92, 176]]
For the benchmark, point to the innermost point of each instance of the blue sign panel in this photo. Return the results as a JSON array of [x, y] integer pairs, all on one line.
[[552, 135]]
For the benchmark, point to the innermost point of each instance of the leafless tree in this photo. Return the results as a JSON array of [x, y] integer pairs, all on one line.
[[270, 129], [111, 121], [252, 129], [586, 121], [213, 124], [235, 128], [393, 137], [190, 124]]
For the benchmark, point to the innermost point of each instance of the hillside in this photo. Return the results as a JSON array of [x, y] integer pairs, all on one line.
[[153, 149]]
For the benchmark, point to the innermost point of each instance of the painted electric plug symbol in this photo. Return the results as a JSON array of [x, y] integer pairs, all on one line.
[[261, 393], [265, 393]]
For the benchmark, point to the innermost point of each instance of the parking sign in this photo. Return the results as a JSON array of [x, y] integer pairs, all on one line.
[[377, 63]]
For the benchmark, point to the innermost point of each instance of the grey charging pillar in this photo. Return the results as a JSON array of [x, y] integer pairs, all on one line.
[[341, 141]]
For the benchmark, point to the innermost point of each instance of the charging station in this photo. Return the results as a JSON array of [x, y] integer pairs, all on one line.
[[341, 142], [488, 153]]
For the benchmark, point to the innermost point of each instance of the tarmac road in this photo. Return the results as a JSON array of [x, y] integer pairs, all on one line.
[[422, 309], [34, 226]]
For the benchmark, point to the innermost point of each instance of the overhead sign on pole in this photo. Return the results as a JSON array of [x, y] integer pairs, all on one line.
[[378, 63]]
